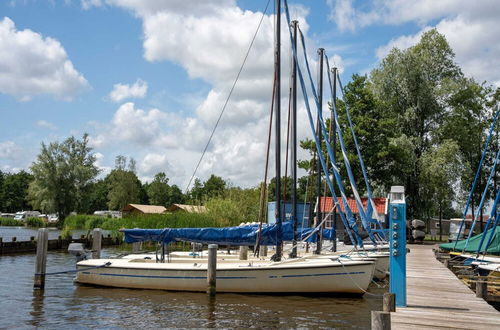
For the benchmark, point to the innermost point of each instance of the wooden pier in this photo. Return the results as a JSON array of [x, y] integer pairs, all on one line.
[[437, 299]]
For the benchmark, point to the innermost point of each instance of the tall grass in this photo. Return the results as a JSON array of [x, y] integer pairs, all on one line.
[[35, 222], [10, 222], [147, 221]]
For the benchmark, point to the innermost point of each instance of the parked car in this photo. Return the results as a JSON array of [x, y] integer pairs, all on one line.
[[52, 218], [23, 215]]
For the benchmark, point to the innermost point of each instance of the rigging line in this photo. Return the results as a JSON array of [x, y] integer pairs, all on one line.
[[358, 150], [229, 96], [477, 175], [287, 146], [263, 192], [334, 164], [483, 197], [493, 215], [353, 226]]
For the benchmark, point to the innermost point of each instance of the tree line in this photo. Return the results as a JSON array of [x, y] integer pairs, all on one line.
[[420, 122]]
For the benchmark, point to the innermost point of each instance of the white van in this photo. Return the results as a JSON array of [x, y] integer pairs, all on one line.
[[23, 215]]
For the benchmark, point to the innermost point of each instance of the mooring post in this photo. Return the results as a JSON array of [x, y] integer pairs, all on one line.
[[1, 245], [41, 258], [96, 243], [212, 269], [263, 251], [136, 247], [381, 320], [482, 289], [389, 302], [243, 252]]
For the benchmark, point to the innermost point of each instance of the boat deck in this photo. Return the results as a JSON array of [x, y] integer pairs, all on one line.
[[437, 299]]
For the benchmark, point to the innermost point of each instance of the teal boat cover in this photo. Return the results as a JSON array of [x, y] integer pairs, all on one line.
[[474, 242]]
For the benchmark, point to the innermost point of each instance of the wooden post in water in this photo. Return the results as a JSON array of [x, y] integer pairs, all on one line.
[[136, 247], [389, 303], [212, 269], [41, 258], [96, 243], [1, 245], [482, 289], [381, 320], [243, 252]]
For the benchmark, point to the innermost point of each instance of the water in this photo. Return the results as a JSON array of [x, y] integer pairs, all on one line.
[[24, 233], [65, 304]]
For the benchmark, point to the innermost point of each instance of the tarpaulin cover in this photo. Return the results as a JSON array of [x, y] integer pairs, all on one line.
[[494, 247], [241, 235]]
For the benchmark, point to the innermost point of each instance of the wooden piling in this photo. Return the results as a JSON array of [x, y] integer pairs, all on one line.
[[389, 302], [1, 245], [381, 320], [212, 269], [41, 258], [96, 243], [482, 289], [243, 252], [263, 251], [136, 247]]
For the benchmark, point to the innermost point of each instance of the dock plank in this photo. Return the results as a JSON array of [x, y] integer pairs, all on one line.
[[437, 299]]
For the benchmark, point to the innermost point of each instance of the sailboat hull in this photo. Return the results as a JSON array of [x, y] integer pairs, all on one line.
[[299, 277]]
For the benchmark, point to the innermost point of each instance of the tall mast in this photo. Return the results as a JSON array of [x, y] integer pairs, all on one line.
[[333, 141], [294, 143], [277, 68], [319, 169]]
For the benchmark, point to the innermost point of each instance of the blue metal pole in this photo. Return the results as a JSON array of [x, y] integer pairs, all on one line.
[[397, 265]]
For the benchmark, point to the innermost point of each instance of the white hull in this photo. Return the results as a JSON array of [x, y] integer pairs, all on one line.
[[305, 276]]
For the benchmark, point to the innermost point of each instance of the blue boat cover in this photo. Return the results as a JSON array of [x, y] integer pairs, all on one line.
[[241, 235]]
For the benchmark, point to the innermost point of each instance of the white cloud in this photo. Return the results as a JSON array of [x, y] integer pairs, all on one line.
[[8, 149], [46, 124], [31, 64], [469, 26], [121, 92], [209, 40]]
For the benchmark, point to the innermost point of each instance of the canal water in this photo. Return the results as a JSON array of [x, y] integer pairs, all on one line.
[[66, 304]]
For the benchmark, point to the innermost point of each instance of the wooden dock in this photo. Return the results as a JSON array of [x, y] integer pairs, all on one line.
[[437, 299]]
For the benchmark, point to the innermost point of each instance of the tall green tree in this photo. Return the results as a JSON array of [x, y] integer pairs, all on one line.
[[413, 85], [158, 190], [15, 191], [123, 184], [62, 174], [440, 167]]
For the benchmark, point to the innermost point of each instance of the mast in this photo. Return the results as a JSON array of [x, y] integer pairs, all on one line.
[[333, 141], [294, 143], [319, 169], [277, 68]]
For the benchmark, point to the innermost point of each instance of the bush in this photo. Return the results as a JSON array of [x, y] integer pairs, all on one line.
[[9, 222], [35, 222], [83, 221]]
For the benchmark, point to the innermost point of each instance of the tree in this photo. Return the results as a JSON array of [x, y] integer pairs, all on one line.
[[440, 167], [214, 186], [413, 86], [158, 190], [62, 174], [98, 198], [123, 184], [15, 191]]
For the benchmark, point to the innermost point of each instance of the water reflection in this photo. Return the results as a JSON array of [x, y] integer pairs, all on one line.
[[64, 303]]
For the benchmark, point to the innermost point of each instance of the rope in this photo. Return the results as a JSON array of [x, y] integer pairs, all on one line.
[[477, 176], [228, 97], [355, 283], [75, 270], [318, 145]]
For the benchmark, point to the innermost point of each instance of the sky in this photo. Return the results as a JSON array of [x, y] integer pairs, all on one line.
[[148, 79]]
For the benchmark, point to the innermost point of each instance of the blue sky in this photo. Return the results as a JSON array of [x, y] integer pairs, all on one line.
[[147, 79]]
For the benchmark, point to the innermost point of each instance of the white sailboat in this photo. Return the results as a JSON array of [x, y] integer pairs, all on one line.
[[314, 275]]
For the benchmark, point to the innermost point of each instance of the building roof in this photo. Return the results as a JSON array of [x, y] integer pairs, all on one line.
[[188, 208], [327, 204], [485, 217], [144, 208]]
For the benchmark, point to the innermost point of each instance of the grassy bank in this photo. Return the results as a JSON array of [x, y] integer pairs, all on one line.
[[148, 221], [10, 222]]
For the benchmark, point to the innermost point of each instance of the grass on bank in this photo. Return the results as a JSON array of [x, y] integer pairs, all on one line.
[[30, 222]]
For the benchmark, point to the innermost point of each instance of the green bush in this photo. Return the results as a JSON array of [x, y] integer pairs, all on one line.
[[83, 221], [35, 222], [9, 222]]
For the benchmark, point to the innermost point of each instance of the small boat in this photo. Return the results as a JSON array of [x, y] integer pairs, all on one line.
[[314, 275]]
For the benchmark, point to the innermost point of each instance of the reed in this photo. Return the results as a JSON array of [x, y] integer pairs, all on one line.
[[9, 222], [35, 222]]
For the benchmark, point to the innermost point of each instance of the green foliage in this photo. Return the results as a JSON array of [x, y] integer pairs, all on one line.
[[9, 222], [239, 205], [161, 193], [14, 191], [62, 176], [124, 185], [35, 222], [83, 221], [214, 187]]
